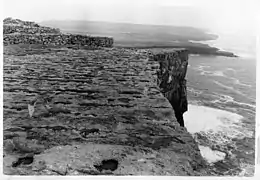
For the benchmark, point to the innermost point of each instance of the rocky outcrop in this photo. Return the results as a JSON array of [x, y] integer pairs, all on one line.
[[171, 78], [11, 26], [105, 104], [24, 32], [96, 112]]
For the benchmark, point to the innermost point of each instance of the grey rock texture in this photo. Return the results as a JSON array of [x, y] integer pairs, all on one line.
[[98, 112], [171, 78], [24, 32]]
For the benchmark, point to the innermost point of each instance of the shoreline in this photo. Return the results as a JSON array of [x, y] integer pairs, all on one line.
[[142, 36], [193, 50], [212, 149]]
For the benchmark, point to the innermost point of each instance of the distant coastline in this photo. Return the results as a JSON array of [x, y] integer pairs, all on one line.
[[192, 50], [140, 36]]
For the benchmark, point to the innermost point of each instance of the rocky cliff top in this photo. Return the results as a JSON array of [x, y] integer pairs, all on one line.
[[24, 32], [13, 22], [93, 112], [11, 26]]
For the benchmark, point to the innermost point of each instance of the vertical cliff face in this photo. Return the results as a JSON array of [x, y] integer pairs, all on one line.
[[171, 78]]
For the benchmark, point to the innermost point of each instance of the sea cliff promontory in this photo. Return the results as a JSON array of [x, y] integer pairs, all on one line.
[[93, 109]]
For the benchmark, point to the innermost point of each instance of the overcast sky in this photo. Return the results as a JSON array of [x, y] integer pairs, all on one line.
[[234, 16]]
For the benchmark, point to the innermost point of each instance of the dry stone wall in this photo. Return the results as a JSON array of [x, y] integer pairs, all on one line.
[[11, 21], [26, 27], [58, 39], [25, 32], [9, 29]]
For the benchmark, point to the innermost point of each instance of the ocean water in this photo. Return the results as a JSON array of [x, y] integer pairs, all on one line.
[[221, 112]]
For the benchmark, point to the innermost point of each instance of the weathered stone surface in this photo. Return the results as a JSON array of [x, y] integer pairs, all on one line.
[[92, 106], [24, 32], [58, 39], [84, 159], [18, 26]]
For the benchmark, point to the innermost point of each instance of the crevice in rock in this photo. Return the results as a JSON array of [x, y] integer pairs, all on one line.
[[124, 100], [77, 114], [62, 102], [23, 161], [129, 92], [110, 164], [85, 132]]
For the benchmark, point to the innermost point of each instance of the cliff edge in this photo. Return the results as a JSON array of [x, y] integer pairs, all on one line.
[[104, 111], [171, 78]]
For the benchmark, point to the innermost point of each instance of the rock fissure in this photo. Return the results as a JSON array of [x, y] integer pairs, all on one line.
[[23, 161], [110, 164]]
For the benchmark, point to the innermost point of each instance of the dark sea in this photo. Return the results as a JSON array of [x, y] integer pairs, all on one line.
[[222, 106]]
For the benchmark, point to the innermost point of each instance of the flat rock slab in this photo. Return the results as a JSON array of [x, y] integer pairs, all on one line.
[[102, 104], [87, 159]]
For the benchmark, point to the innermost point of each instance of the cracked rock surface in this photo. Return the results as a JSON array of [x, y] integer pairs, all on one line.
[[98, 111]]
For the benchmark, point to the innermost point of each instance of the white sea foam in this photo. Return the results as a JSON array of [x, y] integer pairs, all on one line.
[[202, 70], [194, 91], [231, 69], [194, 55], [221, 98], [201, 118], [201, 67], [211, 155], [245, 104], [218, 73], [247, 169], [236, 81], [219, 126], [212, 73], [228, 87]]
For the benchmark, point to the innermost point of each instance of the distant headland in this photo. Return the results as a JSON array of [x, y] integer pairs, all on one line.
[[144, 36]]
